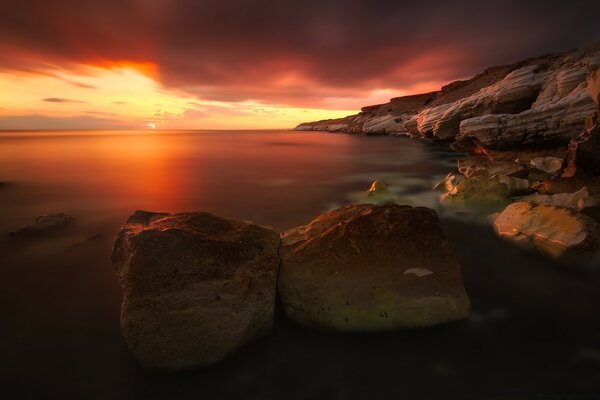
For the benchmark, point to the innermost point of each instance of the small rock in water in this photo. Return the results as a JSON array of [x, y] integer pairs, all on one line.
[[45, 224], [516, 186], [482, 167], [195, 287], [477, 193], [371, 268], [575, 201], [89, 241], [378, 193], [550, 165], [558, 232]]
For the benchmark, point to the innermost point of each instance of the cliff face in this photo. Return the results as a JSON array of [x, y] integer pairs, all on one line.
[[538, 102]]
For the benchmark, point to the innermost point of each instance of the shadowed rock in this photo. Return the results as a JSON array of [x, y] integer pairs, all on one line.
[[371, 268], [195, 287]]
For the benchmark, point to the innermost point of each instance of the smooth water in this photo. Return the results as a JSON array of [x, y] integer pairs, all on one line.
[[535, 327]]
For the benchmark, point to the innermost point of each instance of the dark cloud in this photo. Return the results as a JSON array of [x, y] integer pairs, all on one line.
[[61, 100], [292, 52]]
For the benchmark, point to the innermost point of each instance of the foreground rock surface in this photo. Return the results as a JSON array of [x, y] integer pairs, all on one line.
[[561, 233], [195, 287], [371, 268]]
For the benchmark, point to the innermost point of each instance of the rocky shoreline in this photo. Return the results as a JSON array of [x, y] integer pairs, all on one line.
[[532, 134], [197, 287]]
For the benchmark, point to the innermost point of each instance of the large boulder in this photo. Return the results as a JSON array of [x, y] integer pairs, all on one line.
[[195, 287], [558, 232], [371, 268]]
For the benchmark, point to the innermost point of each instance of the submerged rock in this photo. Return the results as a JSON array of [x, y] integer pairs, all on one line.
[[378, 193], [477, 193], [371, 268], [558, 232], [195, 287], [45, 224]]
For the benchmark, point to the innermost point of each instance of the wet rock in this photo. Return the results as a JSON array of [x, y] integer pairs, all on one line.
[[558, 232], [45, 224], [568, 200], [550, 165], [570, 185], [516, 186], [371, 268], [477, 193], [195, 287], [537, 175], [483, 167], [378, 193]]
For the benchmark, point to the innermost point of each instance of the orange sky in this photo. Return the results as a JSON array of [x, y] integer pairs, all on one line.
[[127, 96], [236, 64]]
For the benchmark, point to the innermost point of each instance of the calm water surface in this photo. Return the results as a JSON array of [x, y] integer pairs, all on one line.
[[535, 328]]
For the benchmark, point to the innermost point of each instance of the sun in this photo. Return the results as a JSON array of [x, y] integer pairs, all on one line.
[[152, 126]]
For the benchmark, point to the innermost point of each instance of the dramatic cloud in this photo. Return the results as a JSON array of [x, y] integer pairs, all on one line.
[[293, 53]]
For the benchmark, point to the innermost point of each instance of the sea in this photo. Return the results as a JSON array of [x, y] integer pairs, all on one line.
[[534, 328]]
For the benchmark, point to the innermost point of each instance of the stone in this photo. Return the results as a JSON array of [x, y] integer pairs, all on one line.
[[516, 186], [477, 193], [558, 232], [45, 224], [568, 200], [570, 185], [550, 165], [371, 268], [378, 193], [483, 167], [196, 287], [584, 154]]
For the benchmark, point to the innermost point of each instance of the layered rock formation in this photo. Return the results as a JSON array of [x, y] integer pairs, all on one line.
[[371, 268], [538, 102], [195, 287]]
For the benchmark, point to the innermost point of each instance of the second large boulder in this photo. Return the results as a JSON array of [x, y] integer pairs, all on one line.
[[371, 268]]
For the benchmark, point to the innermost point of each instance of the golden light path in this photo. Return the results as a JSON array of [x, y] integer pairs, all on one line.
[[127, 96]]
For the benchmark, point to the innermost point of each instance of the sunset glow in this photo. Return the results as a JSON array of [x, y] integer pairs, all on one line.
[[126, 97], [196, 65]]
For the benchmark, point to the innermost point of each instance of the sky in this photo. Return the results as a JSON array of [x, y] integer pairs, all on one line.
[[241, 64]]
